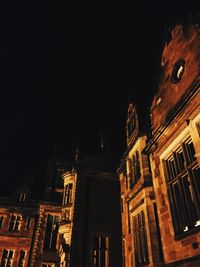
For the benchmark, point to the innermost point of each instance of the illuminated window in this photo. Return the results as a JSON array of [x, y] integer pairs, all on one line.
[[100, 251], [7, 258], [22, 258], [51, 232], [134, 169], [178, 71], [140, 240], [15, 223], [183, 179], [1, 221], [68, 194]]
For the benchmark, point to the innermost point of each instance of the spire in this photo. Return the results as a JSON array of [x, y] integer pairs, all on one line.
[[76, 153]]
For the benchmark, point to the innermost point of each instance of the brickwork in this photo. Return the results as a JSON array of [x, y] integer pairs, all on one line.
[[184, 45], [137, 197], [174, 117], [21, 238]]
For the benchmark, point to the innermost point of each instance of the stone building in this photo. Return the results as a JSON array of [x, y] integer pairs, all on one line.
[[17, 225], [90, 230], [140, 232], [161, 200], [174, 148], [77, 223], [28, 231]]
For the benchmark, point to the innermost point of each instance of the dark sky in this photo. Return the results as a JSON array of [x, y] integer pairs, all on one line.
[[69, 70]]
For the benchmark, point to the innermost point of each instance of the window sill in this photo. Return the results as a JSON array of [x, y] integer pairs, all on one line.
[[188, 233], [67, 205]]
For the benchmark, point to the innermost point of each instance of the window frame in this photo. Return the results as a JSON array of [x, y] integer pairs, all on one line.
[[100, 250], [68, 194], [22, 259], [16, 222], [134, 168], [182, 186], [51, 233], [141, 250], [6, 259]]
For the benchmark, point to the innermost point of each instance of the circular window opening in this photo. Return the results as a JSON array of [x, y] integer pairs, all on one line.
[[178, 71]]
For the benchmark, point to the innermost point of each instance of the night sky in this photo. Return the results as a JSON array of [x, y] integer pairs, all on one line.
[[68, 73]]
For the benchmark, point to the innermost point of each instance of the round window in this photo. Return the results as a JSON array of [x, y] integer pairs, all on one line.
[[178, 71]]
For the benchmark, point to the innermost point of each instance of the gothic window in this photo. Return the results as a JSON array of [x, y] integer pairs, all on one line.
[[134, 165], [7, 258], [140, 240], [51, 232], [183, 176], [100, 251], [1, 221], [15, 222], [68, 194], [22, 258], [131, 125]]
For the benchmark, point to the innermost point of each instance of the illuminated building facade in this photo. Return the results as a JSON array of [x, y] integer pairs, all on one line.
[[140, 235], [175, 147], [171, 200], [76, 224]]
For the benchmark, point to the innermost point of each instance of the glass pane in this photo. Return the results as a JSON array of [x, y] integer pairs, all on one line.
[[180, 219], [168, 170], [172, 168], [181, 160], [190, 201], [11, 254], [5, 253], [22, 254], [190, 151], [11, 226]]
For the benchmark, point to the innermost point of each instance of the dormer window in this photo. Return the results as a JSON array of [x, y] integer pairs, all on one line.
[[134, 169], [22, 197]]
